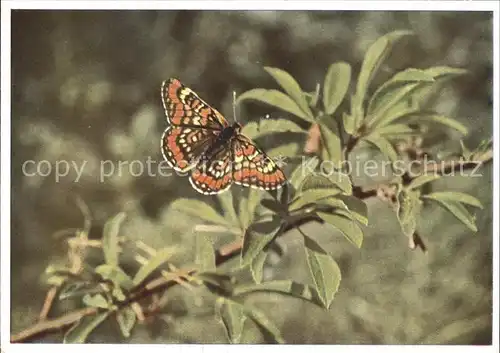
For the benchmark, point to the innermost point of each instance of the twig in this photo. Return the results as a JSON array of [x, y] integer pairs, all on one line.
[[47, 304]]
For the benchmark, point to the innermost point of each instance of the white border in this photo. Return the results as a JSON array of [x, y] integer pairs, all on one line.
[[227, 5]]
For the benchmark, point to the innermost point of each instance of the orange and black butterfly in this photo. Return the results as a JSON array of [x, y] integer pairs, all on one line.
[[200, 140]]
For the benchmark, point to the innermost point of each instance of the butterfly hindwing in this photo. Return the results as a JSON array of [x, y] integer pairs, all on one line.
[[212, 175], [182, 146], [184, 107], [252, 167]]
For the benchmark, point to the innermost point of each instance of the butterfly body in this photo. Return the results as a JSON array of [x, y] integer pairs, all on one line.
[[201, 141]]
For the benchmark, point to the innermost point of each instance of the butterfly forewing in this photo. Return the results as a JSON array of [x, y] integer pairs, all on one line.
[[183, 107], [252, 167]]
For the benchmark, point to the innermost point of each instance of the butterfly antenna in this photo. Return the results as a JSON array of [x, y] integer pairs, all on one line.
[[234, 106]]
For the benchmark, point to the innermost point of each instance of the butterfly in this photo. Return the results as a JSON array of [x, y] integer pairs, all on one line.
[[200, 141]]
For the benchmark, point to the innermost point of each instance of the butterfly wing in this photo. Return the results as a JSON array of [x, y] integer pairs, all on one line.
[[182, 147], [183, 107], [212, 175], [253, 167]]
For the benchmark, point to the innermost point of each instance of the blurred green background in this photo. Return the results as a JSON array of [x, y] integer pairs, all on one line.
[[86, 87]]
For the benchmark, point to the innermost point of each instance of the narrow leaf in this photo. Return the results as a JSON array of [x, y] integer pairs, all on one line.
[[443, 120], [357, 208], [306, 167], [291, 87], [97, 301], [115, 275], [330, 141], [328, 179], [276, 99], [83, 328], [232, 317], [270, 127], [228, 210], [126, 320], [374, 57], [285, 150], [266, 326], [383, 145], [312, 196], [324, 270], [205, 256], [421, 180], [395, 130], [257, 236], [336, 84], [399, 80], [286, 287], [198, 209], [110, 239], [346, 226], [384, 114], [257, 266], [156, 261], [409, 210], [454, 196], [459, 211]]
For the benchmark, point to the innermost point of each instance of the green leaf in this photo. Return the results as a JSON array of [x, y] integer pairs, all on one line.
[[226, 201], [97, 301], [266, 326], [374, 57], [290, 149], [291, 87], [110, 239], [332, 202], [257, 266], [384, 114], [72, 290], [330, 141], [324, 270], [83, 328], [266, 127], [454, 196], [442, 72], [232, 317], [286, 287], [399, 111], [346, 226], [205, 256], [443, 120], [408, 211], [312, 196], [326, 180], [336, 84], [421, 180], [458, 210], [357, 208], [395, 130], [397, 81], [156, 261], [220, 284], [313, 97], [126, 320], [383, 145], [276, 99], [115, 275], [248, 207], [198, 209], [305, 168], [257, 236]]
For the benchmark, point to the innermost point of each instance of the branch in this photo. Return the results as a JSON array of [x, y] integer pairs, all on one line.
[[224, 254]]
